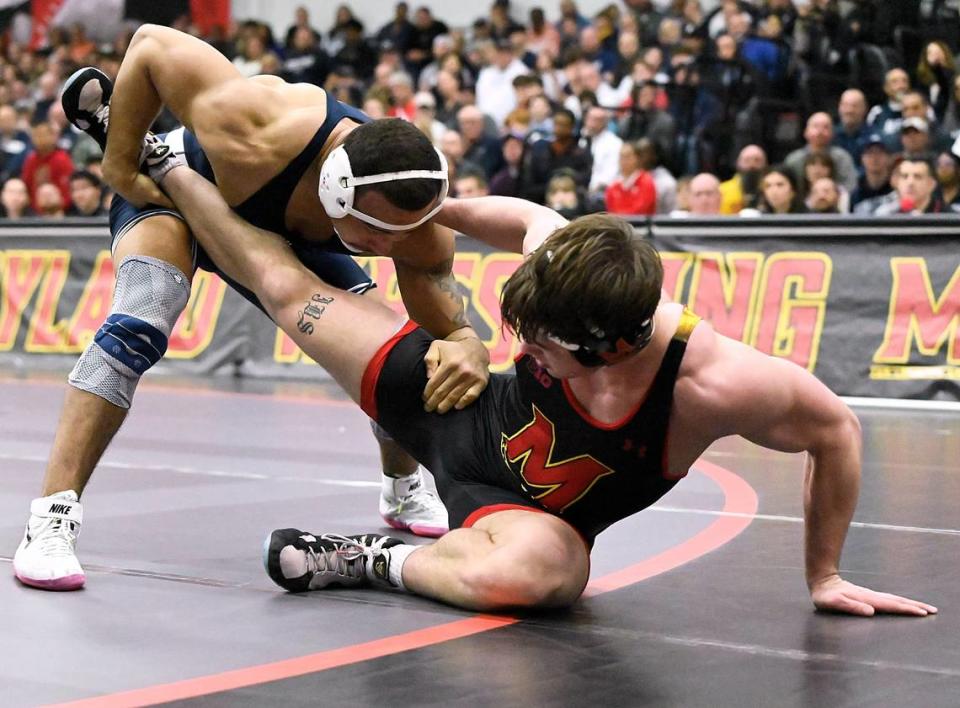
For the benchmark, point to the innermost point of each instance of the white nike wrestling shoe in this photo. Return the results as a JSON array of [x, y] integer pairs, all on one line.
[[407, 503], [47, 556], [86, 102]]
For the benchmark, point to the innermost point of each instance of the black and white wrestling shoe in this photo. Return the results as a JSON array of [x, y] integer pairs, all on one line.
[[86, 102]]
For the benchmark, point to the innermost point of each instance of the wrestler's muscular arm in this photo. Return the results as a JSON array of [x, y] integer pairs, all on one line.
[[457, 362], [165, 67], [508, 224], [779, 405]]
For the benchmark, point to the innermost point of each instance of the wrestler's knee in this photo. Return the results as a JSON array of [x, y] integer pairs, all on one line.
[[541, 567], [149, 296]]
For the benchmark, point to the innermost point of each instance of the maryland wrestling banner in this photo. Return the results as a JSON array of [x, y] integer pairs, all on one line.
[[871, 307]]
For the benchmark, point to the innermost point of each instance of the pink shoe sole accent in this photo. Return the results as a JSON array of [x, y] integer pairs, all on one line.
[[69, 582], [416, 529]]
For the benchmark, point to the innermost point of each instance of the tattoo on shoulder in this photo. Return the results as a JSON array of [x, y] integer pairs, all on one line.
[[443, 276], [316, 306]]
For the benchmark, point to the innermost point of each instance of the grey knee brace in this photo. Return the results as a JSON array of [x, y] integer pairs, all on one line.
[[149, 297]]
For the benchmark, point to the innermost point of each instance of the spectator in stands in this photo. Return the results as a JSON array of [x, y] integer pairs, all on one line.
[[452, 147], [633, 192], [875, 179], [46, 163], [593, 52], [663, 180], [426, 116], [401, 96], [470, 183], [592, 80], [548, 156], [48, 87], [525, 87], [824, 197], [398, 31], [818, 135], [14, 144], [481, 149], [915, 137], [767, 52], [778, 192], [344, 22], [374, 105], [355, 52], [541, 119], [817, 35], [743, 189], [645, 120], [448, 92], [541, 35], [885, 118], [15, 199], [851, 129], [86, 195], [249, 61], [948, 179], [604, 147], [301, 20], [305, 61], [705, 195], [915, 188], [506, 182], [914, 105], [936, 71], [951, 118], [647, 17], [563, 195], [816, 166], [495, 95], [49, 201], [443, 46]]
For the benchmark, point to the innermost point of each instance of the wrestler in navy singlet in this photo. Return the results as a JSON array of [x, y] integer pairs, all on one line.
[[266, 208], [526, 442]]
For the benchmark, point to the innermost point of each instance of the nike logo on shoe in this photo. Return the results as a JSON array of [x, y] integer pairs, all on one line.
[[59, 509]]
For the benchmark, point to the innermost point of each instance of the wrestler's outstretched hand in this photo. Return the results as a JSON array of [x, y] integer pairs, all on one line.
[[834, 594], [457, 372]]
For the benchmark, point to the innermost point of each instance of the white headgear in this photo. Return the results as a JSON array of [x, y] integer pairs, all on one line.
[[337, 185]]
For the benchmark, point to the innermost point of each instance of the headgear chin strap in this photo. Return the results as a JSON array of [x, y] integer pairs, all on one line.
[[602, 350], [338, 185]]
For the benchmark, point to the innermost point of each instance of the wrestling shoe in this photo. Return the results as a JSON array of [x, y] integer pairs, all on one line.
[[86, 102], [299, 561], [406, 503], [47, 556]]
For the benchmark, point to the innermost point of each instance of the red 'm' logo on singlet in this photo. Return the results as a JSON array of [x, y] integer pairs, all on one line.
[[564, 482]]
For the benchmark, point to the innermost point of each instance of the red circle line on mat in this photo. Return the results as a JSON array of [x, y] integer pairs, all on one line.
[[739, 498]]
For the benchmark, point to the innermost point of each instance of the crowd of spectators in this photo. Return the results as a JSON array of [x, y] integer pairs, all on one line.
[[673, 107]]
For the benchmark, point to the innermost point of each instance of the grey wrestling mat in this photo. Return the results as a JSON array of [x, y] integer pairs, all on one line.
[[699, 601]]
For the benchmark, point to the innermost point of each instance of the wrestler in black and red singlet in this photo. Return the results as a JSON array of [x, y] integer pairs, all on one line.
[[526, 442]]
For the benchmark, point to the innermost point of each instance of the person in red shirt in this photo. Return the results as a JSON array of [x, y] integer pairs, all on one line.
[[47, 163], [633, 192]]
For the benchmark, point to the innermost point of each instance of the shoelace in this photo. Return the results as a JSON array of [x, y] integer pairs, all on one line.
[[56, 539], [342, 560], [102, 114]]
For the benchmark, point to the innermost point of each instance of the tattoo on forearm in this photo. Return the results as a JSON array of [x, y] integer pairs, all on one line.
[[313, 309], [447, 283]]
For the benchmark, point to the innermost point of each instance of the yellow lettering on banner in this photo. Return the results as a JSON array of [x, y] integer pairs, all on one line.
[[676, 265], [723, 290], [194, 330], [495, 270], [94, 304], [46, 334], [20, 273], [793, 291], [917, 318]]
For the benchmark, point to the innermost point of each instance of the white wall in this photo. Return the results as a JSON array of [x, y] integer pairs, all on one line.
[[375, 13]]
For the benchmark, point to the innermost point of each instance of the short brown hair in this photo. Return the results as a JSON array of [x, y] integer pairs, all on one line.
[[593, 274]]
